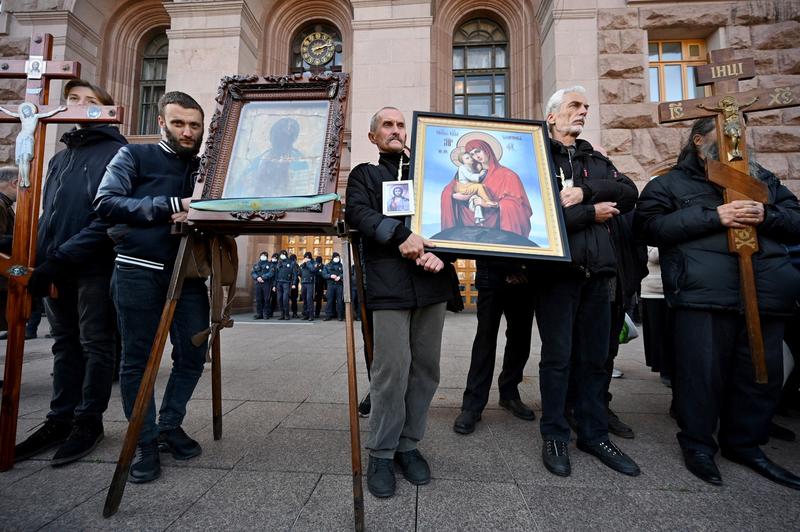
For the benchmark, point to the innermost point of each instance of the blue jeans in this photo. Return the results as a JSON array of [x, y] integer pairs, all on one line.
[[84, 344], [139, 295]]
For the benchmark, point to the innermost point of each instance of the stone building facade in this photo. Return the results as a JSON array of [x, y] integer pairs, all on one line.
[[400, 52]]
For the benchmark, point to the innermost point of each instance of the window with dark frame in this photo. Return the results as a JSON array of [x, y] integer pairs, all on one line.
[[672, 69], [480, 69], [152, 83], [298, 65]]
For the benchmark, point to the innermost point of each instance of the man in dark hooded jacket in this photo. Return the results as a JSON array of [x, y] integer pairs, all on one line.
[[75, 254], [685, 215]]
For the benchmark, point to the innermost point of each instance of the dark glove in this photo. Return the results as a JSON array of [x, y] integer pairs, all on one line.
[[44, 274]]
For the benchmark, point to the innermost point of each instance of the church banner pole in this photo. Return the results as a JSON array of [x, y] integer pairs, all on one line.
[[352, 388]]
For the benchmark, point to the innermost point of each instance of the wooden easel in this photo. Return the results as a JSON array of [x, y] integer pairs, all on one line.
[[728, 106], [38, 70], [117, 488]]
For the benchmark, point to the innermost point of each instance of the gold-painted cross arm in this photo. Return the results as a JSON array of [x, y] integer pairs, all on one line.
[[765, 99]]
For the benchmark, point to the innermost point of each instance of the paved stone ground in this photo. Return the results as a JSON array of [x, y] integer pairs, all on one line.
[[284, 460]]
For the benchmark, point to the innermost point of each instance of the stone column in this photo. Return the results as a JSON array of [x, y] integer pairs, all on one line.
[[391, 65], [569, 53]]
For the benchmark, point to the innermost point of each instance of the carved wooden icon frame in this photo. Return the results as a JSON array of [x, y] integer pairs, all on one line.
[[273, 141]]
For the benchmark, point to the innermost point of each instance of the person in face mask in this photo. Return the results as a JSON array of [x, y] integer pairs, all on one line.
[[285, 277], [332, 272], [273, 288], [308, 278], [262, 274], [294, 293]]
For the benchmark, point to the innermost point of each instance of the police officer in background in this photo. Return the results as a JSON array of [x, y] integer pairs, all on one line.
[[319, 287], [308, 277], [293, 293], [332, 272], [285, 277], [272, 290], [262, 274]]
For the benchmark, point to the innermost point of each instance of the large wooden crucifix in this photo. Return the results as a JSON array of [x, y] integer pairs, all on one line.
[[34, 114], [731, 172]]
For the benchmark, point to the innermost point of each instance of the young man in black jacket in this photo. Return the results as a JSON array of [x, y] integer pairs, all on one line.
[[406, 290], [685, 215], [574, 306], [75, 254], [146, 188]]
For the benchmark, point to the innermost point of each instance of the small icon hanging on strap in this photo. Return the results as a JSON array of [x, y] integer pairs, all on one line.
[[565, 183]]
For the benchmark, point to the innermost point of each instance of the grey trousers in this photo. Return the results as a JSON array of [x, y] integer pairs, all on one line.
[[405, 375]]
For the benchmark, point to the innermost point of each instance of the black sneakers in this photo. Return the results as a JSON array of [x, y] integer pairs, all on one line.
[[146, 465], [82, 440], [555, 455], [380, 477], [365, 407], [49, 435], [179, 444], [612, 456], [414, 466]]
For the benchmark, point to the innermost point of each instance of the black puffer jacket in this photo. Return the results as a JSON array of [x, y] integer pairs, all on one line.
[[392, 282], [70, 230], [678, 213], [589, 242]]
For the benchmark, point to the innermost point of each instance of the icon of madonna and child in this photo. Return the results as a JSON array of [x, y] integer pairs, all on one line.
[[487, 187]]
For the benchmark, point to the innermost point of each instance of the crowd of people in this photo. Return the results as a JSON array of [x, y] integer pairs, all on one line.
[[105, 243], [279, 280]]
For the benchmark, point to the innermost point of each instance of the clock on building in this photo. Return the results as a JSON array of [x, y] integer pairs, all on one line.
[[317, 48]]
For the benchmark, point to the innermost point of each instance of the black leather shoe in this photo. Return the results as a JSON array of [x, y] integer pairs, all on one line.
[[179, 444], [612, 456], [258, 317], [380, 477], [365, 407], [555, 455], [702, 466], [146, 465], [82, 440], [414, 466], [518, 408], [781, 433], [465, 422], [617, 427], [49, 435], [764, 467]]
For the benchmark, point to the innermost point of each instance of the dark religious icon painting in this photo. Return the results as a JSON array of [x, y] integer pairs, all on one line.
[[272, 154], [485, 186]]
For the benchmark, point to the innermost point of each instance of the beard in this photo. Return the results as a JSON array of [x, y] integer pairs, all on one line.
[[181, 150], [571, 130]]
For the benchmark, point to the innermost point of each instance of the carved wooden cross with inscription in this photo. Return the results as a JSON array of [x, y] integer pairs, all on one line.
[[732, 171], [34, 114]]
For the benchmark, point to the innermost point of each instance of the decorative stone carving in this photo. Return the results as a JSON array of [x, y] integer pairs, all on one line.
[[685, 17], [778, 35], [628, 116], [617, 19], [621, 66]]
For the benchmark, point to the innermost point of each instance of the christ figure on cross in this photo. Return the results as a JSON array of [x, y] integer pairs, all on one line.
[[28, 118]]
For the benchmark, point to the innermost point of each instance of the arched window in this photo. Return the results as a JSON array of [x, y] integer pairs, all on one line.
[[152, 82], [480, 69], [317, 45]]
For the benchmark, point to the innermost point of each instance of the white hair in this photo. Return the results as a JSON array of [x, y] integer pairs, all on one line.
[[557, 98], [374, 122]]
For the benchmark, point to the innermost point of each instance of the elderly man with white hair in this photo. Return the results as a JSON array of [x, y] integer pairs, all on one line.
[[573, 307]]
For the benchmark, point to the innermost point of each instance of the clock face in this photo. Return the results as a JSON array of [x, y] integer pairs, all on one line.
[[317, 48]]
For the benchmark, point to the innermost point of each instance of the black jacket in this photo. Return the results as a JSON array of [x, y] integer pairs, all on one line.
[[70, 231], [287, 272], [141, 189], [678, 213], [589, 242], [309, 271], [262, 269], [333, 268], [391, 281]]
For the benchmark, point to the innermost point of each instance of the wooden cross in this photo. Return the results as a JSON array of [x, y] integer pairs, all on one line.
[[732, 171], [33, 113]]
